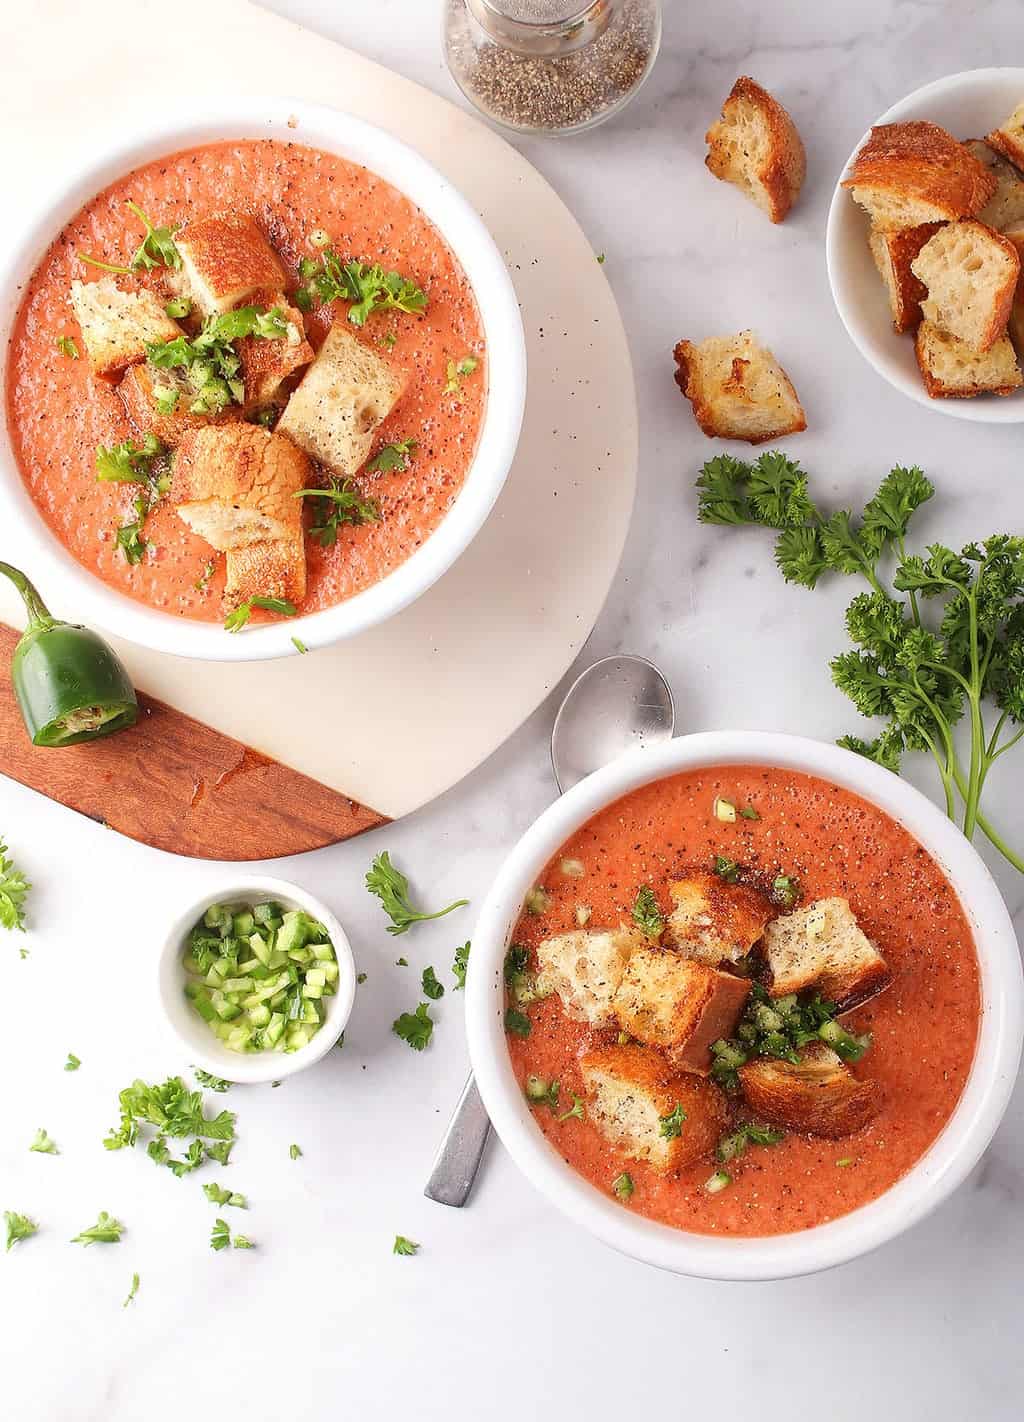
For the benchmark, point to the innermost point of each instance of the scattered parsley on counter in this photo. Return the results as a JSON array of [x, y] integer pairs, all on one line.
[[600, 259], [404, 1246], [242, 1241], [401, 962], [671, 1126], [132, 1291], [294, 1151], [456, 371], [392, 457], [431, 987], [13, 890], [211, 1082], [18, 1227], [360, 978], [67, 347], [106, 1230], [517, 1023], [646, 913], [392, 888], [44, 1143], [220, 1235], [221, 1195], [416, 1028], [459, 965], [173, 1111], [72, 1063], [236, 620]]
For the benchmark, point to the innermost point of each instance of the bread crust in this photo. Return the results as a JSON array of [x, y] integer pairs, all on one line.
[[925, 170], [266, 365], [1006, 206], [726, 404], [118, 323], [820, 1096], [893, 253], [994, 372], [1008, 138], [236, 485], [226, 259], [783, 165], [678, 1005], [276, 568], [714, 921]]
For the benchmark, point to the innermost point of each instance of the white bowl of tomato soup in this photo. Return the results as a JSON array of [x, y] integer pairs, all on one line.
[[311, 177], [941, 1043]]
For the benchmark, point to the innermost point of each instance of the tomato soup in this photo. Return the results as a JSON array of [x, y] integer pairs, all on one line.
[[923, 1026], [58, 413]]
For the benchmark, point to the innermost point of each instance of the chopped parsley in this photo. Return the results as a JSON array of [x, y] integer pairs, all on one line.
[[242, 1241], [726, 869], [299, 645], [236, 620], [392, 457], [456, 371], [72, 1063], [575, 1111], [431, 987], [209, 568], [646, 913], [404, 1246], [340, 503], [211, 1082], [14, 888], [415, 1028], [172, 1111], [459, 965], [132, 1291], [541, 1092], [67, 346], [221, 1195], [220, 1235], [517, 1023], [106, 1230], [294, 1152], [732, 1146], [129, 535], [392, 888], [18, 1227], [786, 890], [516, 960], [367, 288], [671, 1126], [128, 462], [623, 1187], [210, 364], [157, 248], [44, 1143]]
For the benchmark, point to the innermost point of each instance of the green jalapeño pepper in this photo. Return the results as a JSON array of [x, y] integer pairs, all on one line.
[[70, 685]]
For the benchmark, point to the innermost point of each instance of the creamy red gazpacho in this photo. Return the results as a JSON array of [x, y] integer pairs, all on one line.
[[209, 349], [742, 1001]]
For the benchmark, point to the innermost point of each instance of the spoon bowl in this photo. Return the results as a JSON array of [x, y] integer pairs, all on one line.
[[616, 705]]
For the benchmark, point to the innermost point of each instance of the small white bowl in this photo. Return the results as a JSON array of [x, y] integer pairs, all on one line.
[[66, 583], [940, 1170], [969, 105], [194, 1038]]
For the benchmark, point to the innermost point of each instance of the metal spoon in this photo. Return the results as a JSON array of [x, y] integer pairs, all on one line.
[[617, 704]]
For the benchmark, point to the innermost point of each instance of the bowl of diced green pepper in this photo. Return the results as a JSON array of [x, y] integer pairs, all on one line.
[[257, 980]]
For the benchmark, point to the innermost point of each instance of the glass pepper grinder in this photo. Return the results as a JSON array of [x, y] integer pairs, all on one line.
[[550, 66]]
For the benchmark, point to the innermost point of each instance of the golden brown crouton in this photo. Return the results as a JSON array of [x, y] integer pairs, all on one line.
[[117, 325], [1015, 325], [755, 144], [342, 398], [585, 968], [821, 946], [235, 485], [225, 260], [139, 390], [1008, 138], [267, 364], [738, 390], [714, 921], [678, 1005], [273, 569], [820, 1095], [893, 253], [971, 274], [909, 173], [632, 1099], [954, 370], [1006, 206]]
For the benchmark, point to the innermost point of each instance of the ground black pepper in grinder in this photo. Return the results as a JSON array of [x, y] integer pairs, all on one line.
[[551, 66]]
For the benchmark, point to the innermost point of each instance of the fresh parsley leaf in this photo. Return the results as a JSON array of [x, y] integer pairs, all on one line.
[[392, 888], [211, 1082], [360, 978], [192, 1160], [294, 1152], [341, 503], [726, 868], [368, 288], [646, 913], [129, 535], [220, 1150], [671, 1126], [404, 1246], [415, 1028], [44, 1143], [14, 889], [132, 1291], [459, 965], [209, 568], [401, 962], [242, 1241], [431, 987], [516, 961], [623, 1187], [732, 1146], [157, 248], [171, 1110], [392, 457], [221, 1195], [72, 1063], [210, 365], [456, 371], [18, 1227], [239, 617], [67, 346], [106, 1230], [575, 1112], [128, 462], [220, 1235], [517, 1023]]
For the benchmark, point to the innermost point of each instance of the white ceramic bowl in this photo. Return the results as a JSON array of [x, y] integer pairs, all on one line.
[[969, 105], [939, 1171], [62, 579], [193, 1037]]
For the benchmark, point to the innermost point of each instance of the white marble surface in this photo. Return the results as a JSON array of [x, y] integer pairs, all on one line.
[[507, 1310]]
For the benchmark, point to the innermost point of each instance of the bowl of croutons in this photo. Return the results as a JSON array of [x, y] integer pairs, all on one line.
[[925, 242]]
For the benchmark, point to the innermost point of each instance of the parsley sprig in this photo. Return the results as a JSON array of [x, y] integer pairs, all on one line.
[[14, 889], [157, 249], [340, 503], [172, 1111], [392, 888], [921, 674], [18, 1227], [368, 288], [239, 616]]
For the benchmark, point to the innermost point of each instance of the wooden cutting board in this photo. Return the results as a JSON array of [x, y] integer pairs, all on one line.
[[398, 715]]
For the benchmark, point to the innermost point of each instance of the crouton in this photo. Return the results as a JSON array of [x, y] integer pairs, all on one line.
[[893, 253], [632, 1094], [271, 569], [225, 260], [267, 364], [971, 274], [1008, 138], [117, 325], [137, 391], [755, 144], [585, 969], [737, 389], [1015, 325], [342, 398], [679, 1005], [951, 369], [714, 921], [909, 173], [236, 484], [821, 946], [1006, 206], [819, 1095]]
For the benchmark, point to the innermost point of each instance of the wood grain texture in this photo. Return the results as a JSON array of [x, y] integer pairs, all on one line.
[[177, 785]]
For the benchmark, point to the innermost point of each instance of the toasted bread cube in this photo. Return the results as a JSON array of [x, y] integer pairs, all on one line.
[[236, 484], [755, 144], [1008, 138], [821, 946], [954, 370], [225, 260], [118, 325], [679, 1005], [1006, 206], [585, 968], [737, 389], [909, 173], [714, 921], [137, 391], [893, 253], [342, 398], [272, 569], [1015, 325], [267, 364], [819, 1095], [971, 274], [631, 1090]]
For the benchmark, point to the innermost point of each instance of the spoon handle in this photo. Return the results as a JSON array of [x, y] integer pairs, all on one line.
[[458, 1160]]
